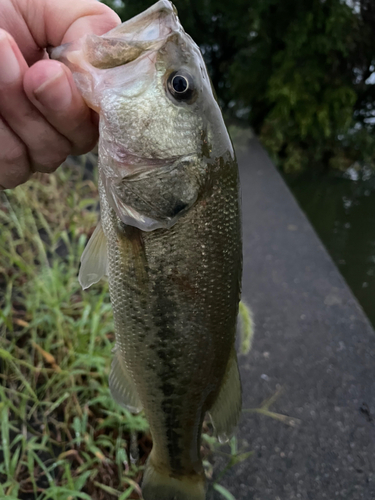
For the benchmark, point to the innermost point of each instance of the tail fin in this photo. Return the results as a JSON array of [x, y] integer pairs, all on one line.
[[159, 485]]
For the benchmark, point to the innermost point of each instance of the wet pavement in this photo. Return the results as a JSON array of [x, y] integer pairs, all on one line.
[[313, 342]]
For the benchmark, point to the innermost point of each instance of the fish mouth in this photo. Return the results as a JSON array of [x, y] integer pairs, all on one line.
[[148, 31]]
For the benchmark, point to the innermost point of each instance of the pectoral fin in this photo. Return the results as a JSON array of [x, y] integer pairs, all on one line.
[[122, 387], [226, 410], [94, 260]]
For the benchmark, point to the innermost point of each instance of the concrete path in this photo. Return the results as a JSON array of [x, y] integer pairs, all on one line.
[[313, 340]]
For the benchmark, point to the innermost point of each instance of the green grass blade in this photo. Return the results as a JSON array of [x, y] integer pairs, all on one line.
[[224, 492]]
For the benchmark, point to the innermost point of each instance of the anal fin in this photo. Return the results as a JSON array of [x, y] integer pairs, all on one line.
[[122, 387], [226, 410]]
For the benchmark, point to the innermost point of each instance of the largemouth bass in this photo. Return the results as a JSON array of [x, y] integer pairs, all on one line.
[[169, 239]]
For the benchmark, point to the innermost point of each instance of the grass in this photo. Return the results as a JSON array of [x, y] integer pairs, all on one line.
[[264, 409], [62, 435]]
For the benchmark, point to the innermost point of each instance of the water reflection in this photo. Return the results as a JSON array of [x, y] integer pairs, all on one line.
[[341, 208]]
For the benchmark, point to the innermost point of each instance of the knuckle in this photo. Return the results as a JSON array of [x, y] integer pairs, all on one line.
[[47, 166], [12, 177], [14, 162], [85, 146], [15, 180], [14, 153], [84, 137], [50, 159]]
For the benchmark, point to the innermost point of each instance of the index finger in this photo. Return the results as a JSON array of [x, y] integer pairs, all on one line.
[[52, 22]]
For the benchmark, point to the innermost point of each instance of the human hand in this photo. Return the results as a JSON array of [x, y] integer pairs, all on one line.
[[43, 118]]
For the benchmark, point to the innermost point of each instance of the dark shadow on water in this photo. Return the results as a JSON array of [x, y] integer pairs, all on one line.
[[341, 207]]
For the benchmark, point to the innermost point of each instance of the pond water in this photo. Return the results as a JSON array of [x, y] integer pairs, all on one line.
[[341, 207]]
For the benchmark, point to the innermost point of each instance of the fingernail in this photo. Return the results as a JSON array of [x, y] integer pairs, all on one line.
[[9, 68], [55, 93]]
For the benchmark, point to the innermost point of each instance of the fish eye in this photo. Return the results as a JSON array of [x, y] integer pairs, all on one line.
[[181, 85]]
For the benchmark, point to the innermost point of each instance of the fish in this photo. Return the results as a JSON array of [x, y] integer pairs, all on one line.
[[169, 238]]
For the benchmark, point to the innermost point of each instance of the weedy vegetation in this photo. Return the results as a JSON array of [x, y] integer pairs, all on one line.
[[62, 435]]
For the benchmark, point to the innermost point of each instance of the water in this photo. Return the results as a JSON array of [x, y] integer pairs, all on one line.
[[341, 207]]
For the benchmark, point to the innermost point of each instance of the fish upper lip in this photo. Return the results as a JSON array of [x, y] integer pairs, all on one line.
[[153, 23], [147, 31]]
